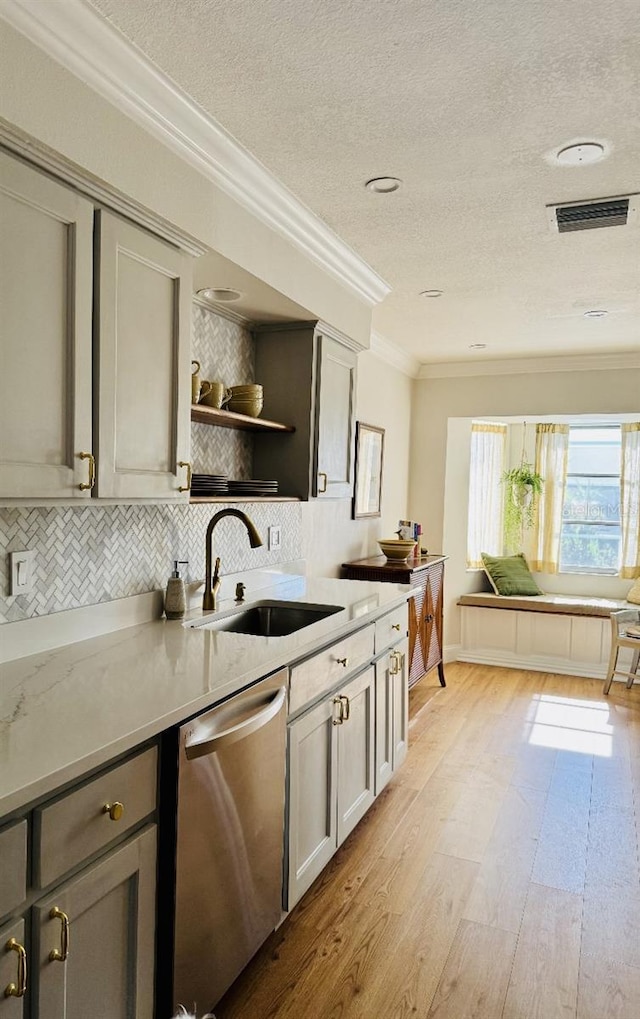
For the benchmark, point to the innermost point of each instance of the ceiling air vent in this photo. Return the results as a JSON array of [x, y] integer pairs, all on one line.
[[593, 215]]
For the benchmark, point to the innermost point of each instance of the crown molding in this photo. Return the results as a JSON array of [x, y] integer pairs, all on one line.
[[224, 311], [84, 42], [395, 356], [530, 365]]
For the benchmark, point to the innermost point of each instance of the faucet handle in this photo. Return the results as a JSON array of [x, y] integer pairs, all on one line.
[[240, 589], [216, 572]]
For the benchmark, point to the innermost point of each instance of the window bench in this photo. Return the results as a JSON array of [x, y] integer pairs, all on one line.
[[569, 634]]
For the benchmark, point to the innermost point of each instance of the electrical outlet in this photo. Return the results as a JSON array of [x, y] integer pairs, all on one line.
[[22, 572], [275, 538]]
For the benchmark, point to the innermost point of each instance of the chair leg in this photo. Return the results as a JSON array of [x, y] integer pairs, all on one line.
[[613, 661], [635, 661]]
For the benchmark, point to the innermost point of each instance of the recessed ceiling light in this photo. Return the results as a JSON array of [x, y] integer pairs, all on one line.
[[581, 154], [477, 346], [596, 313], [431, 293], [383, 185], [220, 294]]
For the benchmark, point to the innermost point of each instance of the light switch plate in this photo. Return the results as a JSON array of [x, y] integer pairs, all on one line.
[[275, 538], [22, 572]]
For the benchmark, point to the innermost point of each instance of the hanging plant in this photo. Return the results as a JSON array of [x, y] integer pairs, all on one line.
[[522, 484]]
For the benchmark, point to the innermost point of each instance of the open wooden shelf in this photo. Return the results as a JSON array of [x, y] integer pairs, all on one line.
[[244, 498], [227, 419]]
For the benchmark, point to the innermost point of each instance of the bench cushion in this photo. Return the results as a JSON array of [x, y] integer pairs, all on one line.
[[561, 604]]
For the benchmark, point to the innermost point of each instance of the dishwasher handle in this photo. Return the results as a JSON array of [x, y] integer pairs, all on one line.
[[194, 748]]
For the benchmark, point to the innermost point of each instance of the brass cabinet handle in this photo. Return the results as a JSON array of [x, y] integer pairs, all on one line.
[[322, 474], [187, 487], [393, 661], [19, 989], [395, 626], [115, 810], [92, 471], [342, 661], [347, 708], [60, 955], [339, 720]]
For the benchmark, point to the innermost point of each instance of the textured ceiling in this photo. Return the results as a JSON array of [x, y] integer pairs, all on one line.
[[461, 100]]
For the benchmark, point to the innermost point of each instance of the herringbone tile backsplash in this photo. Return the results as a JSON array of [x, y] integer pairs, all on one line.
[[91, 554]]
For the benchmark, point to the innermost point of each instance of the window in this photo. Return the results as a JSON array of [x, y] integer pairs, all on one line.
[[590, 538]]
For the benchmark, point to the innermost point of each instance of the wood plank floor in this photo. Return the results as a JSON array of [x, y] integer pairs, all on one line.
[[496, 877]]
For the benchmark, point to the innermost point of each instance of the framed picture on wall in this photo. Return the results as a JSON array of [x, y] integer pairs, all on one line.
[[367, 499]]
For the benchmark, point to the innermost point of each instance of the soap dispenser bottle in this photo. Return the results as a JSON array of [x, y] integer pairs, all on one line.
[[175, 599]]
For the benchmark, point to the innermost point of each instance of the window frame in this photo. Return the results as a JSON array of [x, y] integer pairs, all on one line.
[[591, 570]]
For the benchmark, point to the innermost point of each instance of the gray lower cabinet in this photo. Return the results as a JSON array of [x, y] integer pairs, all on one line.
[[13, 970], [93, 939], [392, 712], [331, 778]]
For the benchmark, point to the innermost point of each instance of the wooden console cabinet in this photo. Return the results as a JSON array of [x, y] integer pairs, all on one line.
[[426, 573]]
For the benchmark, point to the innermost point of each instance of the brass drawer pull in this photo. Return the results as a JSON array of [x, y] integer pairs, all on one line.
[[115, 810], [322, 474], [339, 720], [92, 471], [60, 955], [187, 487], [347, 708], [342, 661], [394, 659], [17, 990], [395, 626]]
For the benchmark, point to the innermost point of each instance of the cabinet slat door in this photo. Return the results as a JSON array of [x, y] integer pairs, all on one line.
[[433, 616], [46, 257], [12, 1003], [356, 753], [384, 722], [312, 798], [143, 350], [335, 409], [109, 967]]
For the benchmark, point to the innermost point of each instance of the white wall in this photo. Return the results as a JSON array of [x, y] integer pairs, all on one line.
[[44, 101], [331, 536], [439, 463]]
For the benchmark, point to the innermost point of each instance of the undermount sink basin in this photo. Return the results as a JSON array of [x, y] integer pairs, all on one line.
[[270, 618]]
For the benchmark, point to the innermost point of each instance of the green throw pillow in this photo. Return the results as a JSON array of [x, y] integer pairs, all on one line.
[[509, 574]]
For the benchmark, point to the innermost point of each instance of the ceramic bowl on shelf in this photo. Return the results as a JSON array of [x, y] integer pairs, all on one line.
[[252, 408], [397, 549]]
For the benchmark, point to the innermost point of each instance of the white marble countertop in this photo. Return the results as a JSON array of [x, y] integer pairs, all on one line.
[[66, 711]]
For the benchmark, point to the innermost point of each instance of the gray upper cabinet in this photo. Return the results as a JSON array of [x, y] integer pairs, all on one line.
[[45, 321], [143, 313], [95, 349], [309, 376]]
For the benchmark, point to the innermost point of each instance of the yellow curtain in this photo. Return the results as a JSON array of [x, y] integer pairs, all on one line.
[[484, 527], [630, 500], [552, 447]]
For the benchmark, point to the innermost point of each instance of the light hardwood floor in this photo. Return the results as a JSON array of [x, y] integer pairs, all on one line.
[[496, 877]]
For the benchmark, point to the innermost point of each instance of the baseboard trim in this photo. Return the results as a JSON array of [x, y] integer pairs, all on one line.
[[534, 664], [451, 653]]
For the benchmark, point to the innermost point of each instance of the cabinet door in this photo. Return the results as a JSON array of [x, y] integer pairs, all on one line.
[[399, 678], [335, 420], [312, 798], [13, 972], [384, 722], [46, 256], [432, 610], [356, 752], [143, 351], [107, 964]]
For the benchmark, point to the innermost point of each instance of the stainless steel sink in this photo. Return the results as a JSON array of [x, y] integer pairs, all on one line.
[[269, 618]]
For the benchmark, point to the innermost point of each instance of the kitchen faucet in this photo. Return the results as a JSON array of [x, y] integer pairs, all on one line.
[[212, 582]]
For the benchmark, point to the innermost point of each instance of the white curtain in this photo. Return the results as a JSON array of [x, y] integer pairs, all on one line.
[[630, 500], [552, 448], [484, 529]]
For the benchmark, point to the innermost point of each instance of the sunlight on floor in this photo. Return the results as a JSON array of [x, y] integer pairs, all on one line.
[[563, 723]]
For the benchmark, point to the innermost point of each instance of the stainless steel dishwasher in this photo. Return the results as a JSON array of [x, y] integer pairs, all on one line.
[[229, 840]]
